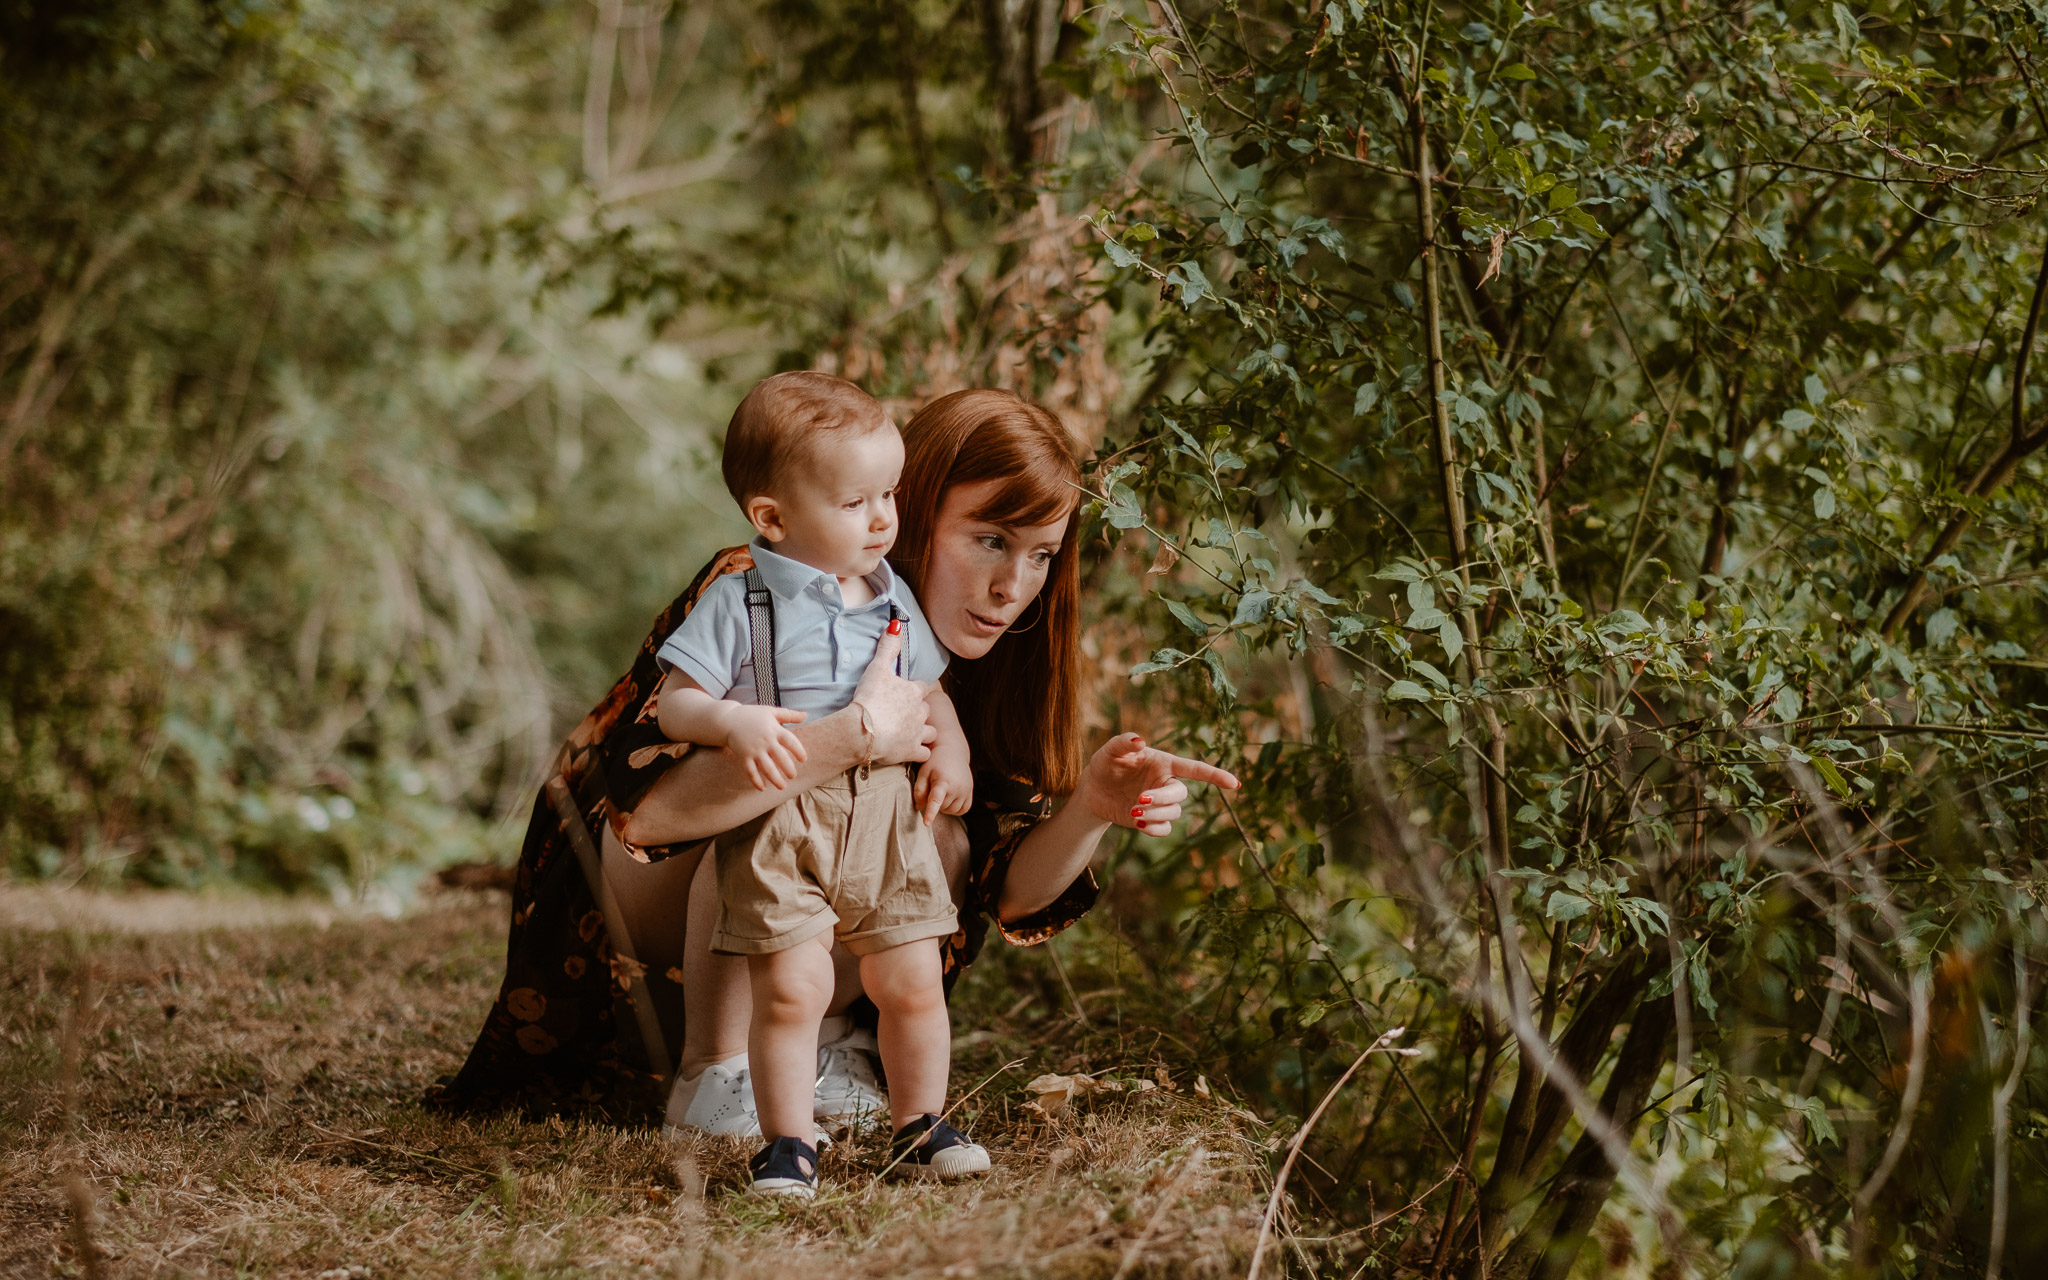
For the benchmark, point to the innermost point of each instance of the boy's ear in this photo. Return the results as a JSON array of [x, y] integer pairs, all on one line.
[[766, 517]]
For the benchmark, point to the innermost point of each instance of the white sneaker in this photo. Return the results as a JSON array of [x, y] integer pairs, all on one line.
[[717, 1100], [848, 1089]]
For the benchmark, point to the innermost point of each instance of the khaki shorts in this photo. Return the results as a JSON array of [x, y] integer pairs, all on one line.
[[850, 857]]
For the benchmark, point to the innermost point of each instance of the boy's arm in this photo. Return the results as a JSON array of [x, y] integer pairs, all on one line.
[[758, 736], [688, 714], [945, 783]]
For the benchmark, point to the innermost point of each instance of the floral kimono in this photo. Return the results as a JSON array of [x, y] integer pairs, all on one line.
[[565, 1032]]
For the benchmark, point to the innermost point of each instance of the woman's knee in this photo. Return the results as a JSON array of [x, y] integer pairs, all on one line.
[[950, 835]]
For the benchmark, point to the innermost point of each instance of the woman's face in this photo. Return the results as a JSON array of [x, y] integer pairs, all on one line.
[[981, 577]]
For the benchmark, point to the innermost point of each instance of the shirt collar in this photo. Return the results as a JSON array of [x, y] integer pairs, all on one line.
[[787, 578]]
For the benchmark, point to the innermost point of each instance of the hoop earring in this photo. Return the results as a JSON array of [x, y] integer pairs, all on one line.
[[1018, 631]]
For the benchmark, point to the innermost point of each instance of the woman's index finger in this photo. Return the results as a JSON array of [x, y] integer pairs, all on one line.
[[1201, 771]]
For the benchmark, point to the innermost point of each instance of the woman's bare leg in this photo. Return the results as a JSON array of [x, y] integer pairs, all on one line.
[[670, 909], [717, 1001]]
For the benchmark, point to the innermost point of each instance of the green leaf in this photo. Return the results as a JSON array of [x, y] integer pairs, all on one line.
[[1252, 606], [1823, 504], [1406, 691], [1941, 626], [1453, 640], [1426, 619], [1563, 197], [1218, 676], [1832, 776], [1437, 678], [1187, 617], [1163, 660], [1141, 231], [1123, 510], [1421, 595], [1119, 255], [1795, 419], [1368, 396], [1787, 704], [1566, 906], [1518, 71]]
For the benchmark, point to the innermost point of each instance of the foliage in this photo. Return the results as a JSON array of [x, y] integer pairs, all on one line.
[[293, 479], [1624, 418]]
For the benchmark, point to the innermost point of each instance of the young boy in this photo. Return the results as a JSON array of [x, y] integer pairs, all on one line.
[[814, 462]]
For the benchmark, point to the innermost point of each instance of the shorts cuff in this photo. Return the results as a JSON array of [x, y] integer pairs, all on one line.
[[727, 944], [868, 943]]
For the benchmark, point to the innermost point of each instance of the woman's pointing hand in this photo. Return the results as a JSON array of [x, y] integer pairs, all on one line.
[[1132, 785]]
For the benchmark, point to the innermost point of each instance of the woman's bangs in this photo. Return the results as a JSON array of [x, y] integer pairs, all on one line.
[[1040, 483], [1032, 497]]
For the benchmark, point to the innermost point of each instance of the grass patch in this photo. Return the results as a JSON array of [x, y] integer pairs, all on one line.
[[244, 1102]]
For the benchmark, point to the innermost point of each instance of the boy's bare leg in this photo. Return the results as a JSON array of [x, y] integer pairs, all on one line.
[[791, 989], [916, 1036]]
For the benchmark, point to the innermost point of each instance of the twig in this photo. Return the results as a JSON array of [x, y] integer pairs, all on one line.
[[899, 1157], [1383, 1044], [1365, 1014]]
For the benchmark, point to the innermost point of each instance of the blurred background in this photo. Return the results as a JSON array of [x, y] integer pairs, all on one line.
[[364, 368]]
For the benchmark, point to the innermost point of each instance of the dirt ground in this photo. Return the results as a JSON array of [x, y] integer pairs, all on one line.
[[245, 1104]]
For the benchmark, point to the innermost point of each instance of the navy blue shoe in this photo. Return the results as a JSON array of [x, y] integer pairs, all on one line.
[[785, 1167], [928, 1147]]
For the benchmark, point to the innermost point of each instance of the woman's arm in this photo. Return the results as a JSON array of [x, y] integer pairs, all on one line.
[[1126, 784], [707, 792]]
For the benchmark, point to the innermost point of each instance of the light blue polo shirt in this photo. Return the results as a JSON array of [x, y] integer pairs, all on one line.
[[821, 646]]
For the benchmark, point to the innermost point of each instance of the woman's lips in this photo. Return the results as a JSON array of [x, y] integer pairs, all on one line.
[[985, 625]]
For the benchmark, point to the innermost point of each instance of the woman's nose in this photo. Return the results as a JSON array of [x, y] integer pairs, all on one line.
[[1008, 582]]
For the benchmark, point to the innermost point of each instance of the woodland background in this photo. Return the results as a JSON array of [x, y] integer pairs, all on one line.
[[1581, 464]]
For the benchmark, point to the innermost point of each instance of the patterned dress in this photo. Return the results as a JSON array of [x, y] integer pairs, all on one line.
[[562, 1034]]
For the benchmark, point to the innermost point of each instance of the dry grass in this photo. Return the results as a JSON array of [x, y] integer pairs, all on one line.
[[245, 1105]]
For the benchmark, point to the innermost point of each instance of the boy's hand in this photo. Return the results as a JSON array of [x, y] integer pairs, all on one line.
[[945, 783], [761, 738]]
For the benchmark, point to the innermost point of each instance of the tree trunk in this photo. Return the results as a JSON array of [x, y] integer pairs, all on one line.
[[1538, 1111]]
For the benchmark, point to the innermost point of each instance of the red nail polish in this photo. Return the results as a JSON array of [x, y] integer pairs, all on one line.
[[1146, 798], [895, 626], [1138, 812]]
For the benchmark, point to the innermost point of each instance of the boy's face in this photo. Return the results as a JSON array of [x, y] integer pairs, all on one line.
[[836, 510]]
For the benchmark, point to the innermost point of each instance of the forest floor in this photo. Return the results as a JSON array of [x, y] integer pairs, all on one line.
[[246, 1104]]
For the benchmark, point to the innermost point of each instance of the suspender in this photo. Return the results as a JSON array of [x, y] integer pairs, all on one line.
[[761, 639]]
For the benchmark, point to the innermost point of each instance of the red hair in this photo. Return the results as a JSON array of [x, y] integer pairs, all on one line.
[[1020, 702]]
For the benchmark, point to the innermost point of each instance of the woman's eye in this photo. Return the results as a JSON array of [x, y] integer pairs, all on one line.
[[1042, 559], [991, 541]]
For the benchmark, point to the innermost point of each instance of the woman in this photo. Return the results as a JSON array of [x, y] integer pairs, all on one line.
[[989, 510]]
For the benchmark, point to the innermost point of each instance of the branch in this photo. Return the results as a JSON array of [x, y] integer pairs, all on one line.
[[1995, 471]]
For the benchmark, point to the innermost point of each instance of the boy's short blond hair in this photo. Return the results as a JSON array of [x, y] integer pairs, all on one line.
[[782, 421]]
